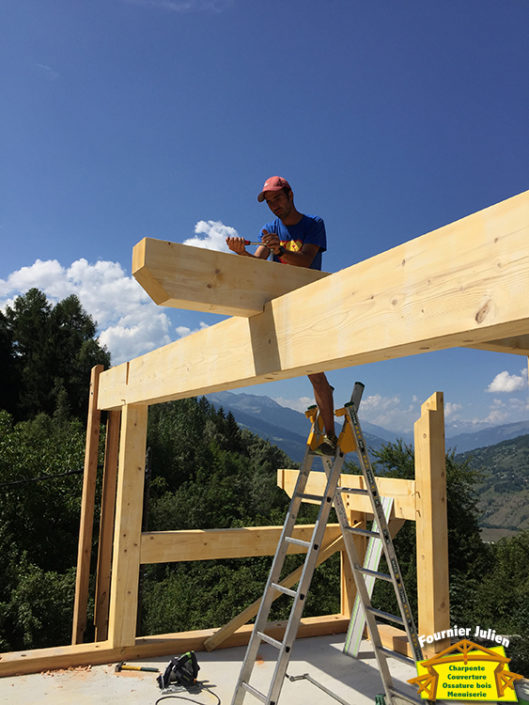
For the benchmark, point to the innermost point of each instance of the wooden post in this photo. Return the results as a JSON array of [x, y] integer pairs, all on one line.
[[432, 524], [347, 581], [106, 526], [127, 532], [84, 552]]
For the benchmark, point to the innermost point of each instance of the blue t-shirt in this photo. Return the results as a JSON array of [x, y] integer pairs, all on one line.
[[310, 229]]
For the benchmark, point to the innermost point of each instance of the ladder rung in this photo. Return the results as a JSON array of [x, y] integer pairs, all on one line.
[[284, 590], [363, 532], [395, 654], [298, 542], [386, 615], [316, 497], [352, 490], [375, 574], [269, 640], [256, 693]]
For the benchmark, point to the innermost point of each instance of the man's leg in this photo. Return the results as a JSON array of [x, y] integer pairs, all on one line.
[[324, 400]]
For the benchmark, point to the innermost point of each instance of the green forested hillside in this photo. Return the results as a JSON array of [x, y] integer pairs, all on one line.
[[502, 483], [204, 473], [207, 473]]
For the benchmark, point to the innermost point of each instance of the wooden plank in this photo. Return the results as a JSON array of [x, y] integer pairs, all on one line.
[[215, 544], [433, 595], [106, 526], [460, 285], [84, 552], [33, 661], [309, 627], [326, 551], [217, 282], [395, 639], [517, 345], [347, 581], [403, 491], [127, 534]]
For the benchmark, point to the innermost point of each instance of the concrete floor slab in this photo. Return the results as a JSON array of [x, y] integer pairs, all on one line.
[[355, 681]]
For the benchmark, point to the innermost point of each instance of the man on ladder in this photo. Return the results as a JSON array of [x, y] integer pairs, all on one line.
[[351, 439], [300, 240]]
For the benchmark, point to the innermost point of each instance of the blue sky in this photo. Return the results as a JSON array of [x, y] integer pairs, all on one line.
[[127, 118]]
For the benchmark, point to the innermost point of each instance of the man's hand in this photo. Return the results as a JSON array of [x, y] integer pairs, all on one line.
[[271, 240], [236, 244]]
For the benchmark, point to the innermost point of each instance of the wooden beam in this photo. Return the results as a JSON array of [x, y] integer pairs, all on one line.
[[327, 550], [395, 639], [106, 526], [84, 553], [33, 661], [215, 544], [127, 534], [460, 285], [433, 595], [517, 345], [217, 282], [403, 491]]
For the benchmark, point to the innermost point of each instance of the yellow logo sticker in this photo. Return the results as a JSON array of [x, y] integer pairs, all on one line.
[[467, 672]]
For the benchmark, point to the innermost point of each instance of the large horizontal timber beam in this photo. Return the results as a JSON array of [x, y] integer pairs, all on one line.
[[218, 544], [461, 285], [35, 660], [194, 278], [402, 491]]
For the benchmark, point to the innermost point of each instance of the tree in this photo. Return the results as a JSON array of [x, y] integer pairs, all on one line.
[[9, 376], [52, 352], [40, 496], [40, 501]]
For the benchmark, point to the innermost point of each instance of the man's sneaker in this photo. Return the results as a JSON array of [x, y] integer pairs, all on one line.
[[328, 446]]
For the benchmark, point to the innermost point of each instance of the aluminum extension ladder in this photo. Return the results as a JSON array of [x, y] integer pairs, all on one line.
[[350, 439]]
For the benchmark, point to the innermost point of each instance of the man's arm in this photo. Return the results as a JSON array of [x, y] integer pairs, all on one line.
[[303, 258], [237, 245]]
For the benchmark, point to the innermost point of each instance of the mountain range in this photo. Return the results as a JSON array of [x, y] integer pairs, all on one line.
[[288, 429]]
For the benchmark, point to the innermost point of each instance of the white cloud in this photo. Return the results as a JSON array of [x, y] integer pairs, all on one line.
[[211, 235], [499, 413], [49, 73], [376, 402], [300, 404], [451, 409], [129, 323], [504, 382], [390, 412], [184, 6], [182, 331], [502, 411]]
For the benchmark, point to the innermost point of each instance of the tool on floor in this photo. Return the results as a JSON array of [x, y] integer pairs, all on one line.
[[350, 439], [122, 666], [181, 670]]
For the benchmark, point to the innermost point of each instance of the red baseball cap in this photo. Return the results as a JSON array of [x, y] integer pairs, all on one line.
[[274, 183]]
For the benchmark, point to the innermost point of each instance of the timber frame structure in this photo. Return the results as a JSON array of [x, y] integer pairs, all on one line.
[[463, 285]]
